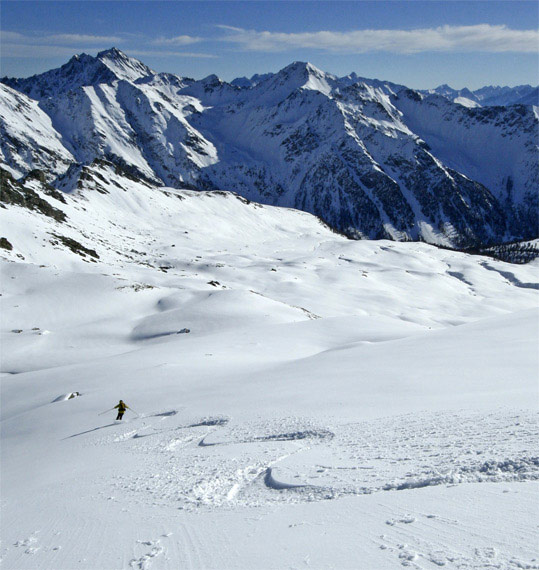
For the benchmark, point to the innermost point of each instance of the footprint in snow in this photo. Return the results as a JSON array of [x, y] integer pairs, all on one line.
[[145, 561], [404, 520]]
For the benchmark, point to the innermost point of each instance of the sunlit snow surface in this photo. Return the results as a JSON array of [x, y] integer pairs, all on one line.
[[335, 404]]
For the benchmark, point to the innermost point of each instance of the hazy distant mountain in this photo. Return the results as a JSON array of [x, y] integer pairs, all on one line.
[[254, 80], [490, 96]]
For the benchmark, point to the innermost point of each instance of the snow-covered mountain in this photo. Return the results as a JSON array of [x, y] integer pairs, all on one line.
[[371, 158], [484, 97], [81, 70], [463, 97]]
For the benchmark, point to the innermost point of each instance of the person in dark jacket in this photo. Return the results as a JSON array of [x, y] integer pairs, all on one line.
[[122, 406]]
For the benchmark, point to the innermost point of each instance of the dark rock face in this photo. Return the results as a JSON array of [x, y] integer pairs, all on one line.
[[74, 246], [12, 192], [5, 244]]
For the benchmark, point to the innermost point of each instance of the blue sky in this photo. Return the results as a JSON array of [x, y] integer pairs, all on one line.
[[418, 43]]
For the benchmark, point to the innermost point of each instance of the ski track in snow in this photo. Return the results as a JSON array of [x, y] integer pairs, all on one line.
[[250, 464]]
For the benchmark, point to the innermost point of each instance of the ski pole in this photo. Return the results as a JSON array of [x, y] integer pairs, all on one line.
[[105, 412], [131, 410]]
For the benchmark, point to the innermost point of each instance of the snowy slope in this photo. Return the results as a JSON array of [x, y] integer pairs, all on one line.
[[27, 138], [335, 403]]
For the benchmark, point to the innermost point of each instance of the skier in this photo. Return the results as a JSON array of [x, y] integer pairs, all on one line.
[[122, 406]]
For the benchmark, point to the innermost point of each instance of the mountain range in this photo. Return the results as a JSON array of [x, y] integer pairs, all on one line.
[[372, 159], [488, 96]]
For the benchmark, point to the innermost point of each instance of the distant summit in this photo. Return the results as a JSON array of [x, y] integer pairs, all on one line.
[[81, 70]]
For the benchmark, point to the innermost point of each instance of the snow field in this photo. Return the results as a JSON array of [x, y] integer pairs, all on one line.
[[335, 404]]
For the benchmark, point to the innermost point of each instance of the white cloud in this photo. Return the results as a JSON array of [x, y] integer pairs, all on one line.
[[82, 38], [160, 53], [7, 37], [15, 44], [177, 41], [11, 36], [479, 38], [43, 51]]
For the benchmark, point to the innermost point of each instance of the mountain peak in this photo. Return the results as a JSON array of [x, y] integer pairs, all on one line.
[[123, 66], [81, 57], [113, 53], [297, 75], [257, 78], [82, 70], [303, 67], [211, 80]]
